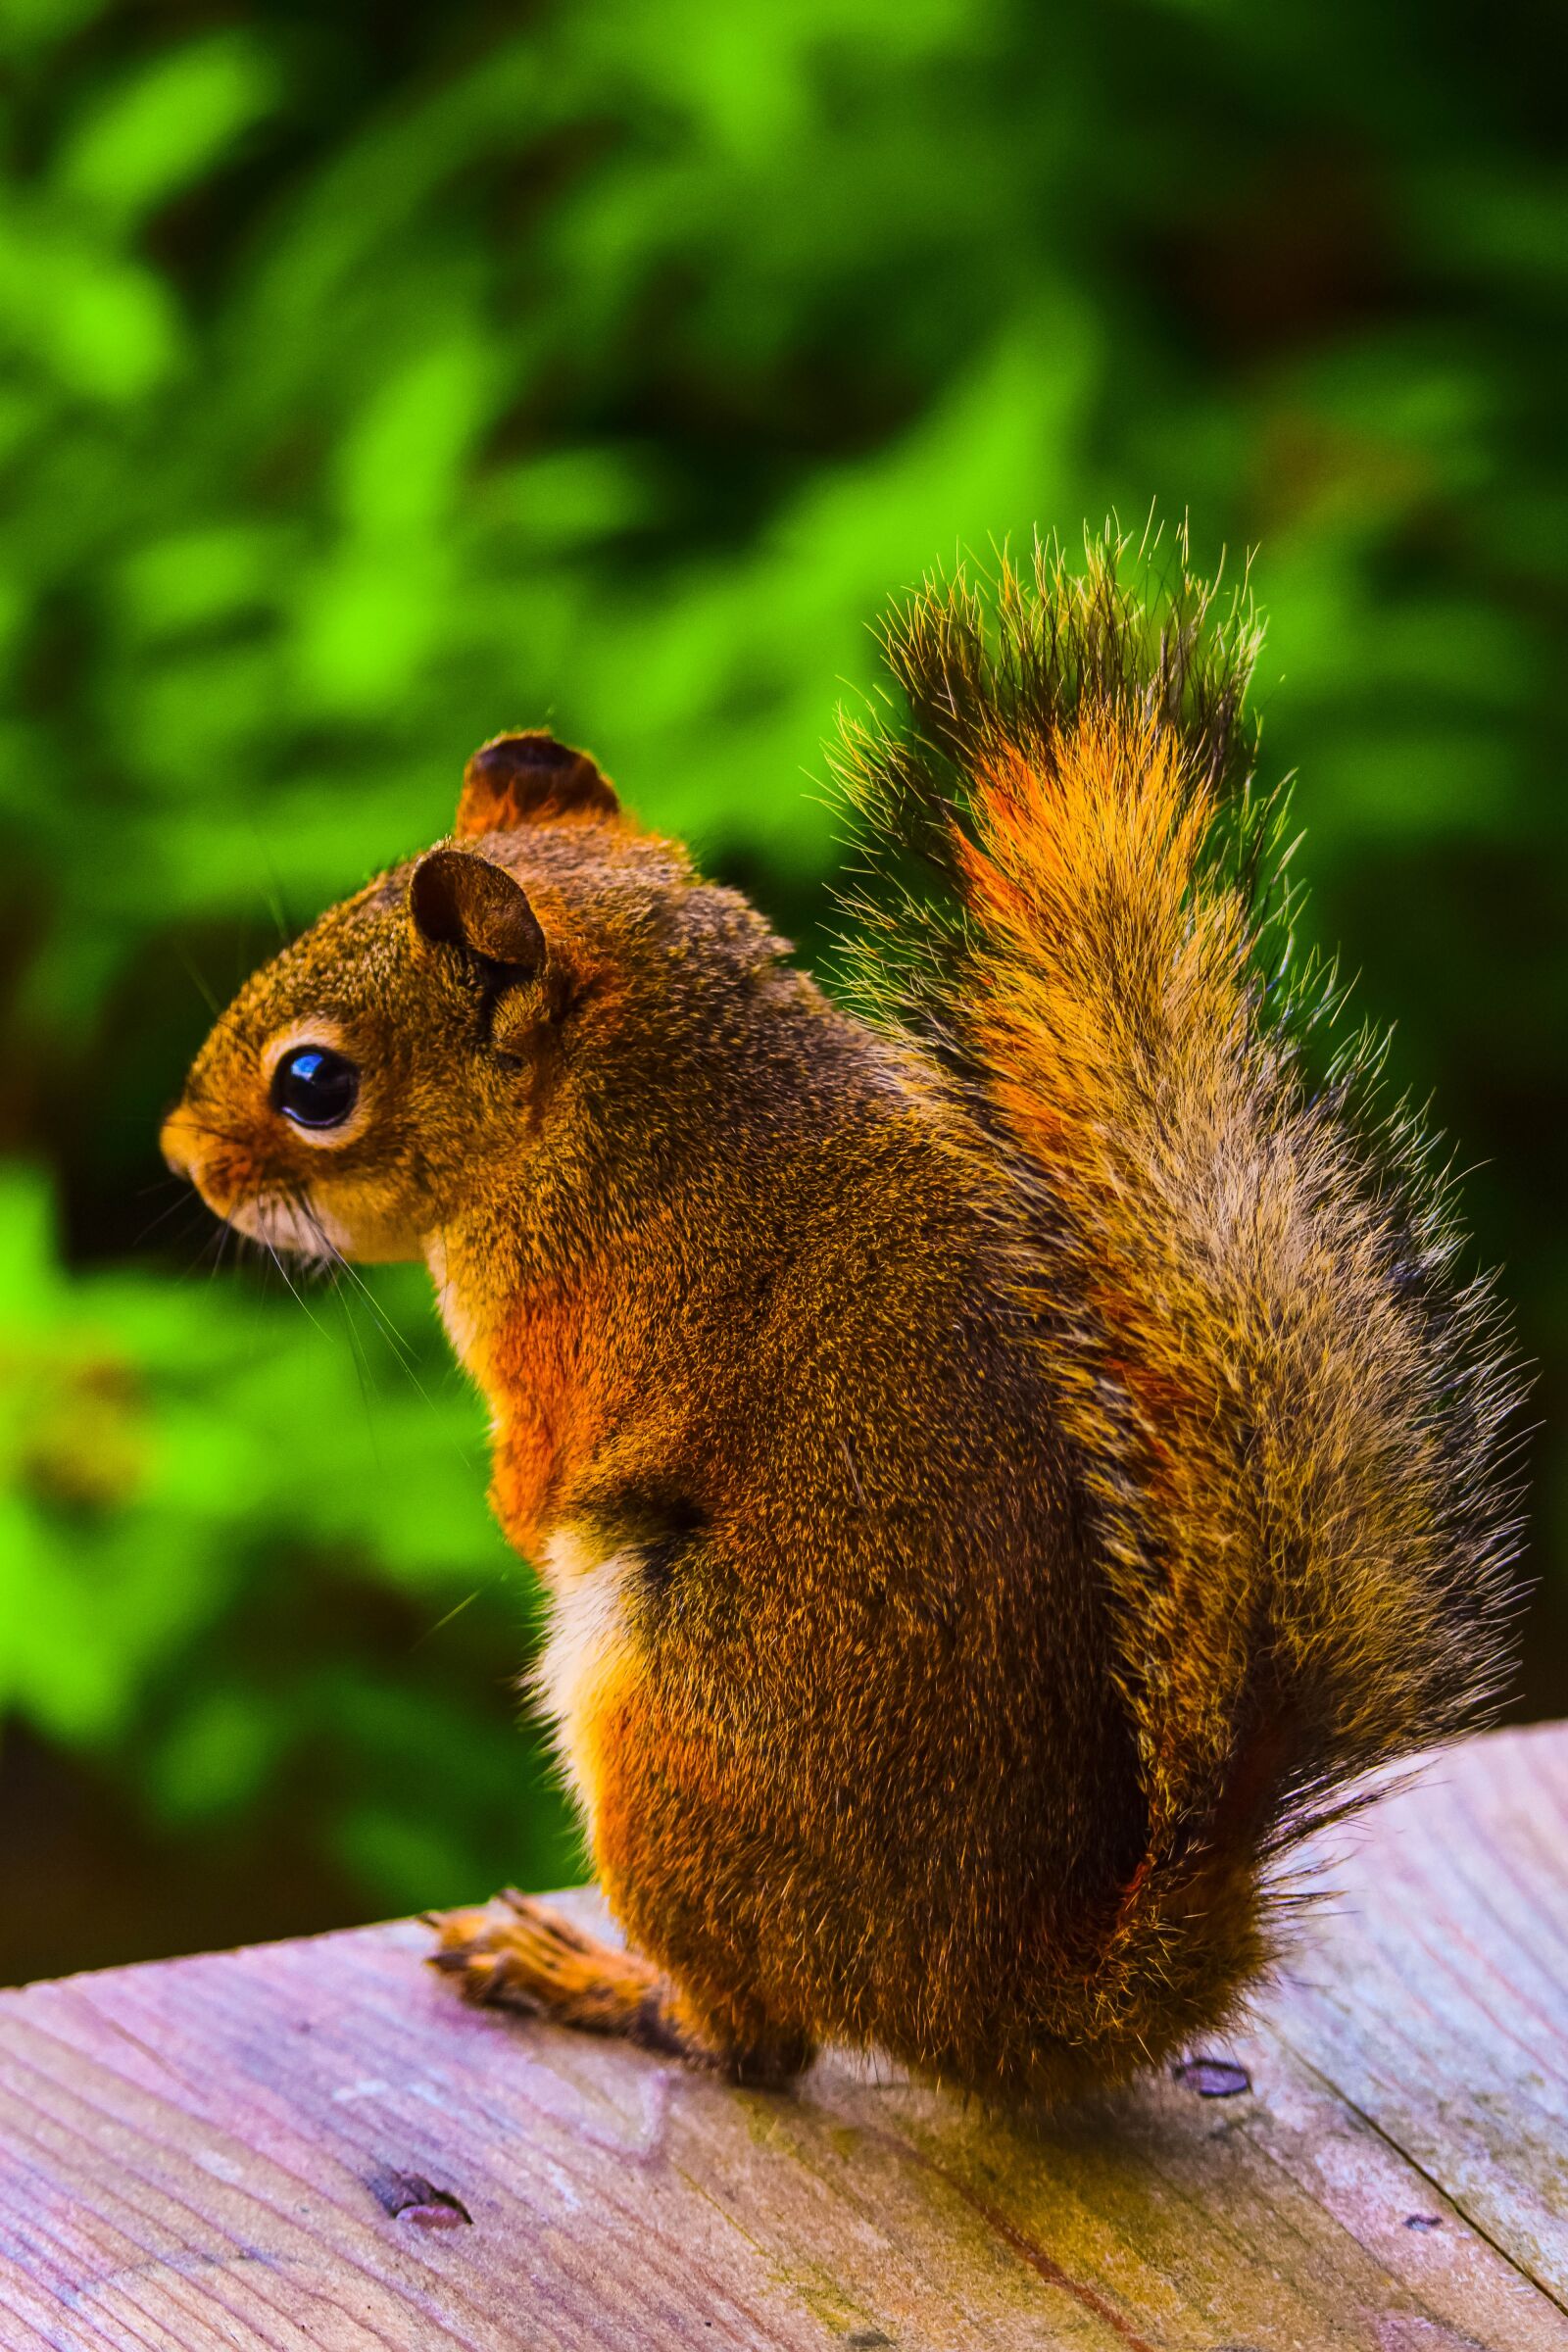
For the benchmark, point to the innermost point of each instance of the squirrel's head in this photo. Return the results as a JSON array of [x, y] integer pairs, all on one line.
[[379, 1073]]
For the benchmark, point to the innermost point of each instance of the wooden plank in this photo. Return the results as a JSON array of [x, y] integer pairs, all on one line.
[[313, 2146], [1438, 2006]]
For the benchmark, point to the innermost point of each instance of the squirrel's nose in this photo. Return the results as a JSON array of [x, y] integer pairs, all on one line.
[[173, 1141]]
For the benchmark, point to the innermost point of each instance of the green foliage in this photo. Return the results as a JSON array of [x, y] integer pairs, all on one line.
[[185, 1474], [377, 380]]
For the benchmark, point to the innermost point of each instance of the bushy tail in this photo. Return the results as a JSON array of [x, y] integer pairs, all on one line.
[[1284, 1402]]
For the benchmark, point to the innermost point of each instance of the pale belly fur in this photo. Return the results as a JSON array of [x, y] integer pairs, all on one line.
[[586, 1650]]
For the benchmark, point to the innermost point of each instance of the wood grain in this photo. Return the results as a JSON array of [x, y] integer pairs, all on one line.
[[311, 2145]]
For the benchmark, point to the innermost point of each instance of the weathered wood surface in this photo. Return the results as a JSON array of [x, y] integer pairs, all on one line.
[[313, 2145]]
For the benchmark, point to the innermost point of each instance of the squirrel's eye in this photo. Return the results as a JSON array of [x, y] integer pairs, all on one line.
[[314, 1087]]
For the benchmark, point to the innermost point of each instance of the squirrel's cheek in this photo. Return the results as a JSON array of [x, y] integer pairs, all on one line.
[[367, 1222]]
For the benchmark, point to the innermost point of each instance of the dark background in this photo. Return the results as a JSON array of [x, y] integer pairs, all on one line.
[[379, 377]]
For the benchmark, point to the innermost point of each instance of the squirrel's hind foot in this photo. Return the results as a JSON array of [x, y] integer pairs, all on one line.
[[529, 1958]]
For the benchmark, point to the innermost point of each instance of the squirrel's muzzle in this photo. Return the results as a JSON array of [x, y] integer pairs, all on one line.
[[173, 1141]]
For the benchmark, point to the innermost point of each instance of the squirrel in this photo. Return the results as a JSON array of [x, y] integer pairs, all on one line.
[[1007, 1445]]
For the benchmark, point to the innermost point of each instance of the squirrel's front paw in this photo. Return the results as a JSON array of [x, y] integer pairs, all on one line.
[[472, 1946], [527, 1957], [516, 1953]]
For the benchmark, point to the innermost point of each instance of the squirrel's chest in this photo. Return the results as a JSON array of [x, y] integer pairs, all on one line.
[[462, 1324], [589, 1656]]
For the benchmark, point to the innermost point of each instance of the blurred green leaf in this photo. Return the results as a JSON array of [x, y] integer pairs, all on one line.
[[28, 25], [158, 129]]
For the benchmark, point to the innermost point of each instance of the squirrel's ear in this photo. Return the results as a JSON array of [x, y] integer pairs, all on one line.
[[459, 899], [526, 779]]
